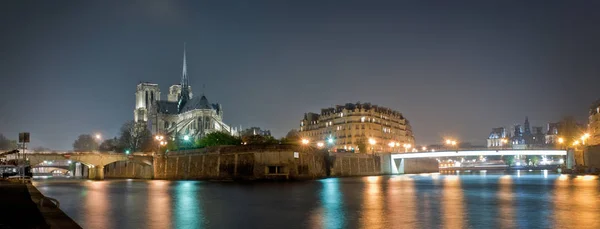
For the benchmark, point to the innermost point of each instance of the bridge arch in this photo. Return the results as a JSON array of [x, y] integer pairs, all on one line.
[[95, 161]]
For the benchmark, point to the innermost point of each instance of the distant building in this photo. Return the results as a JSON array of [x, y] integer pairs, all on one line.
[[497, 138], [256, 131], [538, 136], [181, 114], [594, 124], [552, 133], [345, 127], [523, 136]]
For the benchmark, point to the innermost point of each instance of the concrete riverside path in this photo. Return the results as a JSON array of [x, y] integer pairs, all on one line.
[[20, 209]]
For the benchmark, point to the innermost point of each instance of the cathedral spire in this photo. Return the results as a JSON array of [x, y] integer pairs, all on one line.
[[185, 92], [526, 126], [184, 78]]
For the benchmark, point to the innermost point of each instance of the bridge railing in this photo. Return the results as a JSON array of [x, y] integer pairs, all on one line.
[[90, 152], [475, 149]]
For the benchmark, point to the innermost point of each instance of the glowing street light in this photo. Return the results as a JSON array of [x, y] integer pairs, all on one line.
[[372, 141], [98, 136], [186, 138], [406, 147], [453, 143], [305, 141], [424, 148], [561, 140], [392, 144], [320, 144], [576, 142], [159, 137], [448, 141], [330, 140], [584, 137]]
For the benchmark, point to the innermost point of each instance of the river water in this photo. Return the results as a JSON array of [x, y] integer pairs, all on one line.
[[520, 199]]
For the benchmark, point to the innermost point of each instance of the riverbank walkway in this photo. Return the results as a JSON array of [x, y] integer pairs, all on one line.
[[17, 209], [20, 208]]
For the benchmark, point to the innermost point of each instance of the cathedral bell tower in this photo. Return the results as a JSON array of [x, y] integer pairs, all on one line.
[[146, 95]]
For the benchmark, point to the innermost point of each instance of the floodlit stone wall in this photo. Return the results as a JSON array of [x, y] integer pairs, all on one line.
[[242, 163], [351, 164]]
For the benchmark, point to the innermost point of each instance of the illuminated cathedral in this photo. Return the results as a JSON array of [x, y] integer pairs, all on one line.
[[182, 114]]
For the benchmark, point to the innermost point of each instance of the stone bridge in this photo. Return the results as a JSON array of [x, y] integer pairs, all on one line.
[[95, 161]]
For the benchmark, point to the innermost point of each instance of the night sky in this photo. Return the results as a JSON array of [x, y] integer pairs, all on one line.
[[453, 68]]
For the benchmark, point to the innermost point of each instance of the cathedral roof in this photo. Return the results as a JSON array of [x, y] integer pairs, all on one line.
[[166, 107], [199, 103]]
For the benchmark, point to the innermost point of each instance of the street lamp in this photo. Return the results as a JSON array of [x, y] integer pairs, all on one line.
[[305, 141], [560, 142], [186, 137], [159, 138], [372, 142], [424, 148], [452, 143], [98, 136], [320, 144], [584, 137], [406, 147]]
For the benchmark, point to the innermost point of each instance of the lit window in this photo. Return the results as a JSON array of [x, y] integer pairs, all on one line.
[[362, 119]]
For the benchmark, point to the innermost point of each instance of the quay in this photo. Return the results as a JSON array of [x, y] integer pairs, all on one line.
[[23, 206]]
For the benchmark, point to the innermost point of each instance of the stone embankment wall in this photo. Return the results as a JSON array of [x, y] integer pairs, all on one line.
[[242, 162], [351, 164], [421, 165], [127, 169], [591, 157]]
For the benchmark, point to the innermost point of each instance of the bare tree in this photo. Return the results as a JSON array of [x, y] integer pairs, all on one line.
[[135, 136], [7, 144], [85, 142]]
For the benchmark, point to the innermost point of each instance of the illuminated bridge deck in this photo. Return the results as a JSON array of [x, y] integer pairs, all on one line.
[[462, 153]]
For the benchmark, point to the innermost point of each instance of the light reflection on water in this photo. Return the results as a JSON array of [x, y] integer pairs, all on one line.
[[517, 200]]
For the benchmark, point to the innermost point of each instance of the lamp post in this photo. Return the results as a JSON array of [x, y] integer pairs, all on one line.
[[305, 141], [391, 145], [320, 144], [584, 137], [159, 139], [372, 142], [406, 147], [452, 143], [503, 141], [560, 143]]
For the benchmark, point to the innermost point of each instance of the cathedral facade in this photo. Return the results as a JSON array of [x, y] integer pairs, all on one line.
[[182, 114]]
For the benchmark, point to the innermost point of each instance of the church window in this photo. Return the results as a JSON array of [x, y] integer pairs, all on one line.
[[146, 104], [151, 96]]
